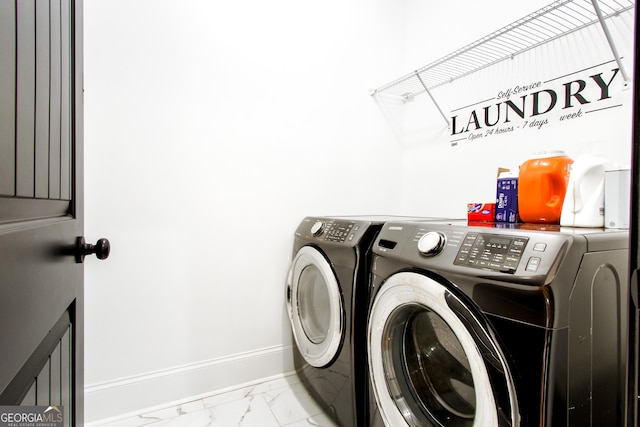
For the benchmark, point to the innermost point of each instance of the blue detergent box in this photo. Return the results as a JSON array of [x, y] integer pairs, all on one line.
[[507, 197]]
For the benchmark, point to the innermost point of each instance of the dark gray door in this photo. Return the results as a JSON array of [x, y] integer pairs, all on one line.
[[41, 209]]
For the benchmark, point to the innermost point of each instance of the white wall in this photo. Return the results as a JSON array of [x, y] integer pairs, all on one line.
[[212, 129]]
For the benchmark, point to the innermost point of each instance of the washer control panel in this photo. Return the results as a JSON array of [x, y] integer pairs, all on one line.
[[497, 252], [528, 254]]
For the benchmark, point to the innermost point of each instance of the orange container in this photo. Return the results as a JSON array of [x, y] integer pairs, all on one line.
[[543, 182]]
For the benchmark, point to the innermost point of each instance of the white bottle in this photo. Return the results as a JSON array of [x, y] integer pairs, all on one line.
[[584, 201]]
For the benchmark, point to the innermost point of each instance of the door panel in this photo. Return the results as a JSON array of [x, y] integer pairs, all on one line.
[[40, 129], [55, 107], [64, 191], [41, 152], [41, 214], [7, 97], [25, 108]]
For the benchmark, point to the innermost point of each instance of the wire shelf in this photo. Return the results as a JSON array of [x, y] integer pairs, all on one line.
[[560, 18]]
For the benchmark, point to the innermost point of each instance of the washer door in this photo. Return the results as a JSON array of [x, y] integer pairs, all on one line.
[[315, 307], [432, 360]]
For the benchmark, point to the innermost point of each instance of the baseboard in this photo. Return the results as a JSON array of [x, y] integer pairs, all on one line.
[[183, 383]]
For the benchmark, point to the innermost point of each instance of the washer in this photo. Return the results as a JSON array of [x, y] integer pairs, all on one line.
[[488, 326], [327, 294]]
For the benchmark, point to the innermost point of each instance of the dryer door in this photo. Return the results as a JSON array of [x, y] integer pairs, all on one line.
[[433, 361], [315, 307]]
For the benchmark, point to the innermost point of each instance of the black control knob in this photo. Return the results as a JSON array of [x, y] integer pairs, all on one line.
[[431, 243], [101, 249]]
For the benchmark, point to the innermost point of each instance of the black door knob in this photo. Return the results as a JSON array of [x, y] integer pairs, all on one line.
[[101, 249]]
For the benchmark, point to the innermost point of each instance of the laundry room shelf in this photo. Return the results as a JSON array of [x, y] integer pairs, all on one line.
[[560, 18]]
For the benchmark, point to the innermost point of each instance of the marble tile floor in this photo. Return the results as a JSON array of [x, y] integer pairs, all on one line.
[[276, 403]]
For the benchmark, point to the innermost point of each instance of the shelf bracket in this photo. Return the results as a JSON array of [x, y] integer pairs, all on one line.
[[612, 45], [433, 99]]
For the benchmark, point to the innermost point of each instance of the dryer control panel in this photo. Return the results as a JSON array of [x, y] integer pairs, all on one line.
[[339, 231], [491, 251]]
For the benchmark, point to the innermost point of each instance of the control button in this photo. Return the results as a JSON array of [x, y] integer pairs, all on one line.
[[510, 266], [515, 251], [513, 258], [533, 264], [431, 243], [540, 247], [317, 228]]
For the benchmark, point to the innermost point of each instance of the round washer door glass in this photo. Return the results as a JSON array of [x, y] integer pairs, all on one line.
[[425, 363], [315, 307]]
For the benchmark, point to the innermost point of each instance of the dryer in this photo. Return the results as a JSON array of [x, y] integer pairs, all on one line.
[[327, 295], [487, 326]]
